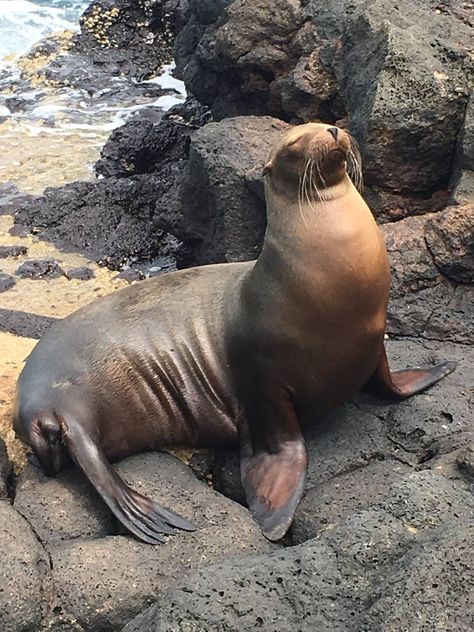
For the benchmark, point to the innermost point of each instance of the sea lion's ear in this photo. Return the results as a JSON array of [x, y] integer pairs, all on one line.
[[267, 168]]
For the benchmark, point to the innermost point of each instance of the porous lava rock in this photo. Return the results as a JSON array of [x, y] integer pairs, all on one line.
[[24, 572], [424, 302], [109, 220], [369, 568], [402, 88], [223, 200], [101, 576]]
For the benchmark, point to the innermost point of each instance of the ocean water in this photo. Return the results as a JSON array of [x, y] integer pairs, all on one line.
[[24, 22], [51, 134]]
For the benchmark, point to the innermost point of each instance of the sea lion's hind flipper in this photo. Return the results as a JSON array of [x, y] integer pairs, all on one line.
[[398, 385], [273, 472], [140, 515]]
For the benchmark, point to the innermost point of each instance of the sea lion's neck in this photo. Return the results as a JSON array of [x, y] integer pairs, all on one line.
[[309, 227], [319, 244]]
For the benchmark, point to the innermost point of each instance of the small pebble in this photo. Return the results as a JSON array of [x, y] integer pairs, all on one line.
[[83, 274], [12, 251], [6, 281], [131, 275], [40, 269]]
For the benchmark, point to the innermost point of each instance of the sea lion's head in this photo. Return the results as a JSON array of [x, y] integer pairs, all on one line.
[[310, 160], [42, 433]]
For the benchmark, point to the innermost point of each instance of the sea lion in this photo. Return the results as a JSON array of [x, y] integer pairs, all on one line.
[[250, 352]]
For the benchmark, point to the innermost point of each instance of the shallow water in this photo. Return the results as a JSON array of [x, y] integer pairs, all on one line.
[[24, 22], [52, 133]]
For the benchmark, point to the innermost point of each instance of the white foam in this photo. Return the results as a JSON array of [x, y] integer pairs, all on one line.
[[167, 81], [22, 23]]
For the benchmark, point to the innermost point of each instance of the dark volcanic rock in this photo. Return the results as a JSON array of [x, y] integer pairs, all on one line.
[[24, 323], [423, 301], [12, 251], [5, 469], [302, 61], [7, 281], [450, 239], [351, 578], [223, 198], [40, 269], [141, 146], [101, 580], [133, 213], [25, 583], [128, 37], [109, 220], [82, 274]]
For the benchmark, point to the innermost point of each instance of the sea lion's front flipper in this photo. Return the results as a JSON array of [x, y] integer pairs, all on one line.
[[405, 383], [140, 515], [273, 469]]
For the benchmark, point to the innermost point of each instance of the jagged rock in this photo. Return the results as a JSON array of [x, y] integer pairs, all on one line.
[[354, 577], [128, 37], [450, 239], [25, 582], [109, 220], [423, 301], [140, 147], [223, 200], [309, 60]]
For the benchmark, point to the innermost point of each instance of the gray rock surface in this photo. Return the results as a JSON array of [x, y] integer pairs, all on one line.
[[24, 573], [223, 198], [366, 445], [65, 507], [7, 281], [40, 269], [5, 469], [372, 571], [101, 577], [424, 302]]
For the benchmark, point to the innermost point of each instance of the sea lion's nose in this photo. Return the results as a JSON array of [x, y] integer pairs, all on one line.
[[334, 131]]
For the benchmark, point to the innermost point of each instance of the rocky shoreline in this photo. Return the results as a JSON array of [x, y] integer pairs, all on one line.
[[382, 539]]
